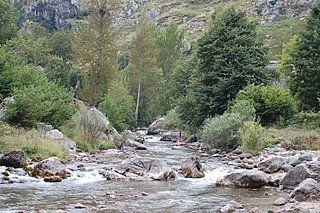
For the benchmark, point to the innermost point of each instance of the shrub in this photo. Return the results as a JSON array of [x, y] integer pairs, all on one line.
[[173, 121], [272, 104], [307, 120], [223, 131], [251, 137], [244, 108], [47, 103]]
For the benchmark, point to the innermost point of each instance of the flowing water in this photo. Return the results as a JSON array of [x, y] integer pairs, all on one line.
[[99, 195]]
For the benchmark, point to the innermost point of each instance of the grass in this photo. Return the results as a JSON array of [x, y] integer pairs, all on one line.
[[31, 142]]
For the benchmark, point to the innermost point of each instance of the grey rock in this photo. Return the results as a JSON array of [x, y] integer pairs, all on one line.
[[156, 126], [271, 165], [279, 202], [191, 139], [3, 105], [232, 206], [244, 179], [308, 190], [286, 167], [135, 145], [307, 157], [43, 128], [13, 159], [295, 176], [50, 167]]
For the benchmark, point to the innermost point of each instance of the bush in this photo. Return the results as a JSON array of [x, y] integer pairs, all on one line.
[[223, 131], [251, 137], [173, 121], [272, 104], [46, 103], [244, 108], [307, 120]]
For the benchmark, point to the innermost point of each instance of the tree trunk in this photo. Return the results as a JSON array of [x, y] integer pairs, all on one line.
[[138, 102]]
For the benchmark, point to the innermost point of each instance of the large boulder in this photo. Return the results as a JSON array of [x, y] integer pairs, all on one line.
[[244, 179], [191, 139], [57, 137], [169, 136], [141, 168], [50, 168], [135, 145], [3, 106], [271, 165], [13, 159], [192, 168], [295, 176], [156, 127], [308, 190]]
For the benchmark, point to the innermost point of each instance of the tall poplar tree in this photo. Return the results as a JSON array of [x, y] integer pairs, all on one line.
[[143, 80], [95, 48]]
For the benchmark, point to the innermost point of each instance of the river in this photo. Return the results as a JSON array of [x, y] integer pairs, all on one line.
[[89, 188]]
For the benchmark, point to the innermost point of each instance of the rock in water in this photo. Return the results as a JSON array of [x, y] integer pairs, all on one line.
[[232, 206], [191, 139], [50, 167], [52, 179], [191, 168], [136, 145], [141, 168], [156, 126], [308, 190], [295, 176], [13, 159], [271, 165], [244, 179]]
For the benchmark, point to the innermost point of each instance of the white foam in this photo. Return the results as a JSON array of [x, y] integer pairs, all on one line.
[[210, 176], [86, 177]]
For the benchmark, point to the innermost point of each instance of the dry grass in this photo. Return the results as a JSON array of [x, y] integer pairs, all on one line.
[[33, 143]]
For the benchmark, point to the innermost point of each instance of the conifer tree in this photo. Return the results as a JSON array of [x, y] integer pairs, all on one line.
[[231, 56]]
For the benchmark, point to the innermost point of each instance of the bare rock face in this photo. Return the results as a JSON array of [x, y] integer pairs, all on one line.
[[308, 190], [244, 179], [13, 159], [50, 169], [192, 168], [141, 168]]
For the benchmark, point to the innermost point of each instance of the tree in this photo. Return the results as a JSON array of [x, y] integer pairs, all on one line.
[[305, 80], [8, 20], [95, 47], [287, 60], [231, 56], [143, 64], [61, 44]]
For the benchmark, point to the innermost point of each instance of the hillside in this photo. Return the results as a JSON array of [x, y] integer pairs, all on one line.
[[280, 19]]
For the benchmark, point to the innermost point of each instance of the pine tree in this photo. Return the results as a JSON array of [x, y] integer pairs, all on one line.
[[231, 56], [95, 49], [305, 80]]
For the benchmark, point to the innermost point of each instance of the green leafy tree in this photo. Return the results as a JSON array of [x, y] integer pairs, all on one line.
[[305, 78], [61, 44], [287, 59], [95, 50], [231, 56], [144, 79], [8, 20]]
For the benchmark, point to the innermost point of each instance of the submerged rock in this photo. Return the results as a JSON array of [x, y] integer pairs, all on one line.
[[141, 168], [308, 190], [244, 179], [192, 168], [13, 159], [295, 176]]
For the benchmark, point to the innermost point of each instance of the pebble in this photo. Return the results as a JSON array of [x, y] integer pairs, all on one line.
[[79, 206]]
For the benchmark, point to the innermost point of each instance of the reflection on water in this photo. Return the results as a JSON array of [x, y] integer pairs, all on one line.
[[96, 193]]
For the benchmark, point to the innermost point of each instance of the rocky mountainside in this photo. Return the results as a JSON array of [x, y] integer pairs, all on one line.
[[192, 15]]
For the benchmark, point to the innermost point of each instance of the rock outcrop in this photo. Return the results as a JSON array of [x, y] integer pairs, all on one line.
[[192, 168]]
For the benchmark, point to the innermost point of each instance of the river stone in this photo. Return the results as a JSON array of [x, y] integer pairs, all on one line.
[[50, 167], [52, 179], [295, 176], [147, 168], [271, 165], [279, 202], [156, 126], [308, 190], [191, 139], [13, 159], [192, 168], [231, 207], [244, 179], [136, 145]]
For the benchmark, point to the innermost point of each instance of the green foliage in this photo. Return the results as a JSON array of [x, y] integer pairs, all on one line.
[[305, 80], [46, 102], [251, 137], [61, 44], [8, 21], [20, 76], [287, 60], [231, 56], [174, 122], [222, 131], [272, 104], [33, 30], [118, 106], [306, 120], [245, 108], [58, 71]]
